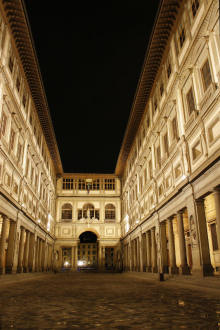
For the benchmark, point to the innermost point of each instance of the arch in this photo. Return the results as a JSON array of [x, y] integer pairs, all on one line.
[[91, 230], [88, 237], [109, 212], [67, 211]]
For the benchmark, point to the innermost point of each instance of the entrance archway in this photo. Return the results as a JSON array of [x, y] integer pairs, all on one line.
[[87, 251]]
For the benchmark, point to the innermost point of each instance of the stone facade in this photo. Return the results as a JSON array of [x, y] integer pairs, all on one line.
[[88, 203], [171, 178]]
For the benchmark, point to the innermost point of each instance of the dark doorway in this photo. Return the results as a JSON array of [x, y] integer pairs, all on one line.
[[87, 251]]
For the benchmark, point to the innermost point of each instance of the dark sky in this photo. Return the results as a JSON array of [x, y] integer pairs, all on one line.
[[90, 56]]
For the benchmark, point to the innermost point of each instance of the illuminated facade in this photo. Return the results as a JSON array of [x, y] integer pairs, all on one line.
[[171, 174], [88, 203], [29, 158], [160, 211]]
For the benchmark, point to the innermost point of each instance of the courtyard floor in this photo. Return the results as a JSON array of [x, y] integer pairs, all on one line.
[[103, 301]]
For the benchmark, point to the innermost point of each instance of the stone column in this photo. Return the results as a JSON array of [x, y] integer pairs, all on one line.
[[141, 268], [164, 256], [100, 257], [39, 255], [4, 233], [11, 251], [103, 258], [144, 252], [31, 254], [21, 250], [148, 247], [76, 256], [217, 209], [138, 254], [153, 251], [36, 254], [184, 269], [26, 252], [135, 255], [207, 268], [171, 243], [129, 256]]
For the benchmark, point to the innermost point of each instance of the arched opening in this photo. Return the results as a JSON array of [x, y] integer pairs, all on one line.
[[87, 251]]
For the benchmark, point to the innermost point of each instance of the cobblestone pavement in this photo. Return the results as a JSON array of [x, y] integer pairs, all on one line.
[[103, 301]]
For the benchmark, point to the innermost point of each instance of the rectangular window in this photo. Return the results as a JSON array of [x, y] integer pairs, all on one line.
[[109, 184], [12, 140], [67, 183], [150, 169], [96, 184], [158, 156], [161, 89], [3, 123], [175, 129], [81, 184], [19, 152], [195, 7], [190, 101], [165, 142], [169, 69], [206, 75], [18, 83]]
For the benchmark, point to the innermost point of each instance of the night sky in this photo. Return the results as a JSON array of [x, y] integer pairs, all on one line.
[[90, 57]]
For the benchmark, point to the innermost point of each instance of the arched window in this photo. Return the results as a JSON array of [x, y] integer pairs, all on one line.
[[109, 212], [88, 211], [67, 211]]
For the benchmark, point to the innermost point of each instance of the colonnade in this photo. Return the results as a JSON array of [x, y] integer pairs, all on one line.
[[176, 245], [22, 250]]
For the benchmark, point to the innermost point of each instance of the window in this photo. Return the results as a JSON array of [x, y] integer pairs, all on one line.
[[206, 75], [150, 169], [158, 156], [169, 69], [110, 212], [3, 123], [11, 61], [109, 184], [175, 129], [24, 99], [195, 6], [190, 101], [165, 143], [96, 184], [19, 152], [161, 89], [18, 83], [67, 212], [214, 236], [181, 35], [81, 184], [67, 183], [12, 140]]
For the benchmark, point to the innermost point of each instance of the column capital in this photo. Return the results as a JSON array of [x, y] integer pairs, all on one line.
[[216, 190], [5, 217]]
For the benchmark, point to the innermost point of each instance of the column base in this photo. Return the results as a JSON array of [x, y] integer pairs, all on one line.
[[154, 269], [184, 270], [26, 270], [149, 269], [166, 269], [205, 270], [20, 269], [173, 270], [2, 271]]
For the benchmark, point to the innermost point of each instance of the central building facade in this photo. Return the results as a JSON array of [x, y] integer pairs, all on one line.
[[88, 222]]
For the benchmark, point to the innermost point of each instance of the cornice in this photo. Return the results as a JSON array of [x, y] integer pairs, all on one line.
[[165, 19], [20, 29]]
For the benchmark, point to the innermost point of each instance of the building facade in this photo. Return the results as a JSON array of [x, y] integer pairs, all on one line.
[[171, 174], [29, 158], [88, 203], [160, 211]]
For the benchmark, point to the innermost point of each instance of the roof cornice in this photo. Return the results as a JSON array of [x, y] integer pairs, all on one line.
[[20, 29], [164, 21]]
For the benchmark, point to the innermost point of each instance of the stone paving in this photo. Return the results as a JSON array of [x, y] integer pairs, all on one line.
[[103, 301]]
